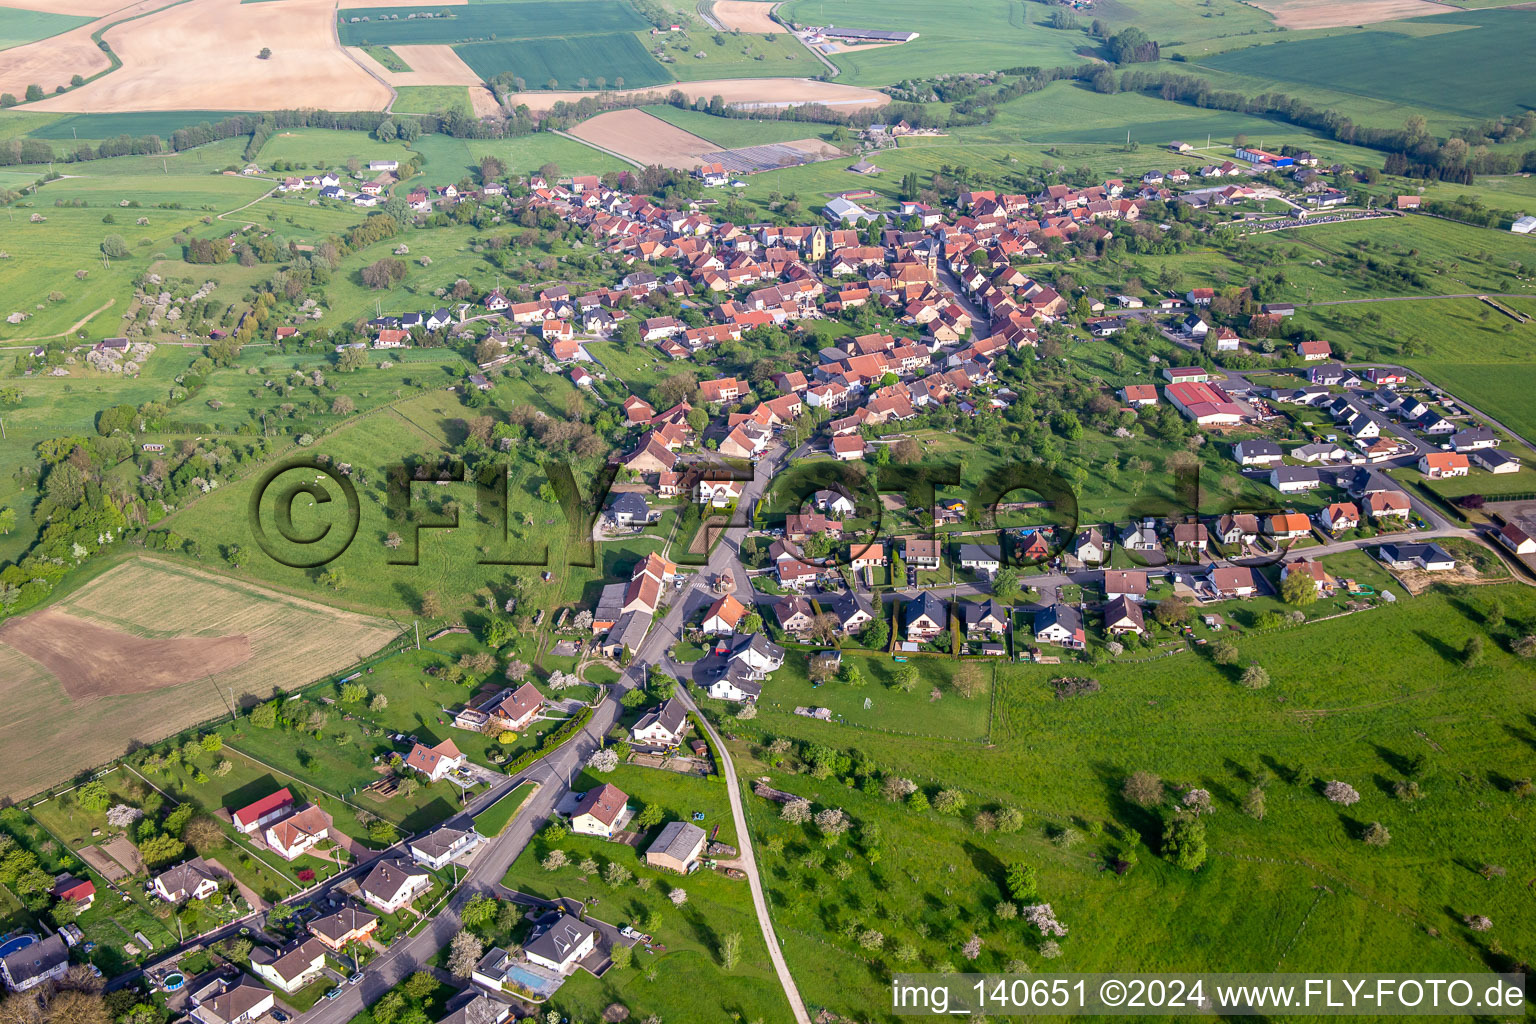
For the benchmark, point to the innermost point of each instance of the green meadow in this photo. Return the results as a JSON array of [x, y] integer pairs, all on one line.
[[1474, 71], [687, 971], [432, 99], [571, 62], [19, 27], [134, 123], [1372, 699], [701, 55], [989, 35], [518, 19]]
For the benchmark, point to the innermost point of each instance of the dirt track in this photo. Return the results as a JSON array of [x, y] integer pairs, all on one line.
[[642, 137], [96, 661], [746, 16], [762, 92], [201, 55], [1302, 14]]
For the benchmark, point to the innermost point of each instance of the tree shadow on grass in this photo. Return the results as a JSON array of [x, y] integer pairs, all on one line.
[[1440, 647]]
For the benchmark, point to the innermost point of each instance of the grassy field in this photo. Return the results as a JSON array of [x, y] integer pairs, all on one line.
[[491, 821], [992, 34], [733, 132], [18, 26], [571, 62], [529, 153], [137, 123], [387, 57], [701, 55], [1297, 890], [671, 982], [518, 19], [432, 99], [1472, 72]]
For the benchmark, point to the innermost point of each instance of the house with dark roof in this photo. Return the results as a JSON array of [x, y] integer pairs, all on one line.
[[1060, 624], [35, 964], [755, 653], [1122, 615], [443, 845], [192, 879], [236, 1002], [628, 509], [739, 684], [853, 611], [983, 617], [350, 924], [562, 945], [392, 884], [661, 727], [1429, 557], [925, 617], [292, 968]]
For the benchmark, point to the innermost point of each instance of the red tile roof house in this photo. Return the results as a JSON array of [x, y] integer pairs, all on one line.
[[434, 762], [847, 447], [600, 812], [518, 710], [69, 889], [1314, 350], [251, 819], [296, 835]]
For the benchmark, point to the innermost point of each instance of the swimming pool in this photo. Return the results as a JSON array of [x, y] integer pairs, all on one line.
[[19, 942], [538, 984], [173, 981]]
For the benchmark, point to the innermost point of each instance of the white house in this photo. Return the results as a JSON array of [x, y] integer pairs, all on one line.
[[393, 883], [661, 727], [192, 879], [442, 846], [980, 557], [562, 945], [299, 833], [600, 811], [291, 969], [435, 762]]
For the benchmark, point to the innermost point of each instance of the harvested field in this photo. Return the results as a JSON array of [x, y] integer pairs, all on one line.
[[646, 139], [743, 92], [746, 16], [147, 649], [433, 64], [95, 661], [307, 68], [649, 140], [1302, 14]]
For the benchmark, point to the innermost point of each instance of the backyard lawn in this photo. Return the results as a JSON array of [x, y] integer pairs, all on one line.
[[689, 938]]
